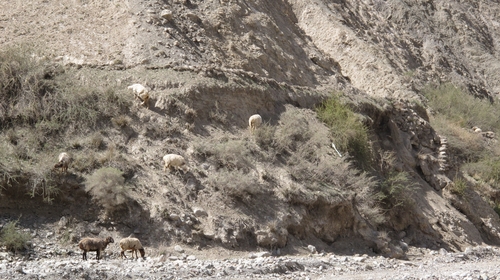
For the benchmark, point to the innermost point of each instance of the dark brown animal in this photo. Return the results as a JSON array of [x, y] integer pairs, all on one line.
[[94, 244], [64, 160]]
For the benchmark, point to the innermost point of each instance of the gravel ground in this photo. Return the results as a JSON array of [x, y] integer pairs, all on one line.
[[473, 263]]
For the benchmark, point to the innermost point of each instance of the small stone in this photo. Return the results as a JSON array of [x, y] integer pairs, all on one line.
[[312, 249], [193, 17], [262, 254], [174, 217], [63, 221], [178, 249], [167, 14], [199, 212]]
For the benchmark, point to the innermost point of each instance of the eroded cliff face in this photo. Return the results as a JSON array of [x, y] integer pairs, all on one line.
[[237, 57], [392, 48]]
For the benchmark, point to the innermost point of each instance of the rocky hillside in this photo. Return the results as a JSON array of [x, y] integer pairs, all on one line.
[[400, 176]]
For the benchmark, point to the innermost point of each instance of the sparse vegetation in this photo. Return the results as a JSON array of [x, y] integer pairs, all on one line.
[[265, 135], [461, 108], [107, 186], [43, 104], [497, 208], [236, 184], [14, 239], [468, 146], [45, 186], [121, 121], [86, 162], [488, 169], [42, 95], [190, 114], [6, 177], [293, 132], [209, 65], [396, 191], [96, 141], [348, 132], [456, 113], [230, 154], [459, 187], [218, 115]]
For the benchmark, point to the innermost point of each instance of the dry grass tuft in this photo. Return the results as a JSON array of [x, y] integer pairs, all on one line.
[[265, 136], [236, 185], [229, 154], [218, 115], [13, 239], [96, 141], [107, 186], [121, 121]]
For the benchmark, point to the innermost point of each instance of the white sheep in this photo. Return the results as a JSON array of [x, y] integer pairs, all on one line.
[[64, 160], [254, 122], [131, 244], [94, 244], [141, 93], [476, 129], [174, 161]]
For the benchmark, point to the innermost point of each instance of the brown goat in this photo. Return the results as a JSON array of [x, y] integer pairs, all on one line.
[[94, 244], [64, 160]]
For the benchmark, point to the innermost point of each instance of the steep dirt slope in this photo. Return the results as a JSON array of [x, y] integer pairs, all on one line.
[[387, 48], [211, 64]]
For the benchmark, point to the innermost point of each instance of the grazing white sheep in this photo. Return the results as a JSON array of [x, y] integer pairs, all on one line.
[[94, 244], [64, 160], [254, 122], [141, 93], [131, 244], [174, 161]]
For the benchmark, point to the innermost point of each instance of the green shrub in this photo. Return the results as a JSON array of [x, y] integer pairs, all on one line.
[[492, 171], [497, 208], [459, 187], [396, 190], [466, 146], [14, 239], [107, 186], [462, 108], [348, 132], [487, 168]]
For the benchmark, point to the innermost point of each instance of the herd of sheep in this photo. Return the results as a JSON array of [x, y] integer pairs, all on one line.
[[171, 161]]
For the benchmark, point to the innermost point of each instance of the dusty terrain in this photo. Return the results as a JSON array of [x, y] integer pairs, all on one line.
[[210, 65]]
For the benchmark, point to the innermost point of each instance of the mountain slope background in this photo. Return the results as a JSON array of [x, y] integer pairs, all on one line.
[[425, 180]]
